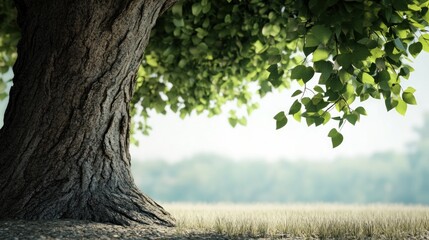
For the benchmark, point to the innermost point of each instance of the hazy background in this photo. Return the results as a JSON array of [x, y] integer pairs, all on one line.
[[385, 158]]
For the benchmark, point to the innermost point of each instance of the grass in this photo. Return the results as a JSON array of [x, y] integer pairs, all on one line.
[[322, 221]]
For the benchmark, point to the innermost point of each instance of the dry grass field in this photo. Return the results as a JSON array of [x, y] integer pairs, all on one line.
[[245, 221], [315, 221]]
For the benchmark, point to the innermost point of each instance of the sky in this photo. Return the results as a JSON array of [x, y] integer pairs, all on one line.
[[174, 139]]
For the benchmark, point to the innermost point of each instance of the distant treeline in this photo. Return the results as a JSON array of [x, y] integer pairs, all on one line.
[[383, 177], [386, 178]]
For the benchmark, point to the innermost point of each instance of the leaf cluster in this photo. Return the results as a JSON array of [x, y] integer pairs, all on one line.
[[204, 54]]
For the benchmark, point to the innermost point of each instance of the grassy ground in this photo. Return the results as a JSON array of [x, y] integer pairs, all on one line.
[[303, 221]]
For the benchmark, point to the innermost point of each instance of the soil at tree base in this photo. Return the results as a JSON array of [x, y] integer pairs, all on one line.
[[75, 229]]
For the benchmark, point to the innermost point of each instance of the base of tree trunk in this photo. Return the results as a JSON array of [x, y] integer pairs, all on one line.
[[124, 208], [119, 206]]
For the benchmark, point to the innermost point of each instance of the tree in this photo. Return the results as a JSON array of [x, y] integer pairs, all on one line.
[[64, 143]]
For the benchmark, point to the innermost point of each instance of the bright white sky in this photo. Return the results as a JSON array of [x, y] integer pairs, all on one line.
[[173, 139]]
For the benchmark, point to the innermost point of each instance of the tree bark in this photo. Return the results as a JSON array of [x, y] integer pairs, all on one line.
[[64, 144]]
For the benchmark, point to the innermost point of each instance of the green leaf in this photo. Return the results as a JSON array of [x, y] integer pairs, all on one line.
[[424, 40], [259, 47], [404, 72], [296, 93], [361, 111], [275, 76], [401, 108], [320, 34], [352, 118], [302, 72], [318, 89], [266, 29], [270, 30], [415, 48], [410, 90], [344, 76], [320, 54], [273, 51], [318, 7], [273, 59], [399, 45], [177, 9], [178, 22], [199, 49], [324, 67], [409, 98], [228, 19], [233, 121], [311, 41], [380, 63], [309, 50], [318, 120], [360, 53], [326, 116], [366, 78], [201, 33], [281, 120], [4, 69], [297, 116], [151, 61], [344, 59], [296, 107], [383, 76], [400, 5], [297, 72], [336, 137], [196, 9], [390, 103], [2, 86], [3, 96], [182, 63], [350, 91], [309, 121], [242, 121], [396, 89]]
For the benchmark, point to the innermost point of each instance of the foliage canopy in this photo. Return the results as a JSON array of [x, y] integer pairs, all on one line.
[[203, 54]]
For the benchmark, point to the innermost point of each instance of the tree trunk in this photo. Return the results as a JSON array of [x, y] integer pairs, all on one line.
[[64, 144]]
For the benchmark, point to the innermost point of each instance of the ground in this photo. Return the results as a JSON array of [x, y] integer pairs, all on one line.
[[72, 229], [255, 221]]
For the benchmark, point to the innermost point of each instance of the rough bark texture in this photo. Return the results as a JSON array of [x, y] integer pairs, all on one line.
[[64, 144]]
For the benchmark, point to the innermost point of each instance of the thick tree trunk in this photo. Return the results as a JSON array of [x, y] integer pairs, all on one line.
[[64, 144]]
